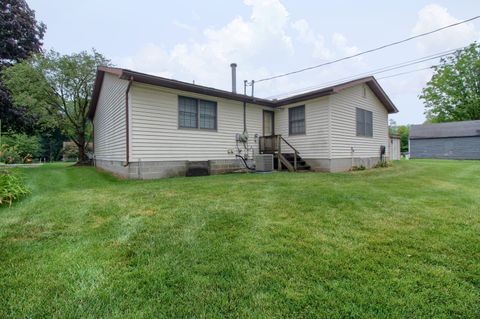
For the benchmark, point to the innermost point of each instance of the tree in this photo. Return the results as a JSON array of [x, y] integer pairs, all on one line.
[[453, 93], [57, 89], [20, 36], [404, 132]]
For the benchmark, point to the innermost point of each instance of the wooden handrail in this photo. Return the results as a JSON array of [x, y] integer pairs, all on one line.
[[276, 147], [293, 148]]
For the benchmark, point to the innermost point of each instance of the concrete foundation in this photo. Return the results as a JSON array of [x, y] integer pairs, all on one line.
[[341, 164], [164, 169]]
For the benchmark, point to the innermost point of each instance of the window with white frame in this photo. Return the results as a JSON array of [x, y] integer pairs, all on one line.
[[196, 113]]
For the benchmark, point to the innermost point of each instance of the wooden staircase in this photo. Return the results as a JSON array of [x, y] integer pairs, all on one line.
[[293, 162], [287, 161]]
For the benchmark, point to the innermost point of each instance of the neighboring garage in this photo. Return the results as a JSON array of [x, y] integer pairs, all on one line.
[[453, 140]]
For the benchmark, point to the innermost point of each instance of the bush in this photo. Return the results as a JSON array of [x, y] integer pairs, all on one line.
[[9, 154], [358, 168], [12, 187], [383, 164], [19, 148]]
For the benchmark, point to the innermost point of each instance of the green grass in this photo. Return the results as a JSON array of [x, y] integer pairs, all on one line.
[[398, 242]]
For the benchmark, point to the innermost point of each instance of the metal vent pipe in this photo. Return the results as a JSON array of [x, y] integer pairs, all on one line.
[[234, 77]]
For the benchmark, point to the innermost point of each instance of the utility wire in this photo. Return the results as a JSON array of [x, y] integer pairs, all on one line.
[[376, 71], [368, 51], [403, 73]]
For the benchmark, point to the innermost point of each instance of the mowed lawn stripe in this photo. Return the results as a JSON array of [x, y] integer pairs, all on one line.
[[393, 242]]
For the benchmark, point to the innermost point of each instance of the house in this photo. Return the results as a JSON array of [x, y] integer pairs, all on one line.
[[147, 126], [453, 140]]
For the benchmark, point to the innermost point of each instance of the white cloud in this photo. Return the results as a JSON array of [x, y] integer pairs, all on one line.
[[430, 17], [433, 17], [307, 36], [206, 60], [184, 26], [341, 44], [264, 39], [408, 84]]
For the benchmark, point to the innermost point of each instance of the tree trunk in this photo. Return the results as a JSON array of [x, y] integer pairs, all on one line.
[[82, 155]]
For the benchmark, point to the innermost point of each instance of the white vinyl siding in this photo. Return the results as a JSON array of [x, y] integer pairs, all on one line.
[[343, 124], [330, 125], [109, 121], [314, 143], [156, 135]]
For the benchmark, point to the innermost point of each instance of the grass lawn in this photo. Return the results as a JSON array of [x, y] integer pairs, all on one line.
[[396, 242]]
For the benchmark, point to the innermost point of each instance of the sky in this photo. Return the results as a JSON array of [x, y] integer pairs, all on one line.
[[197, 40]]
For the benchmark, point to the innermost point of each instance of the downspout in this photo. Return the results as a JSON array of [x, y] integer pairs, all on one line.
[[93, 145], [127, 124], [244, 116], [244, 106]]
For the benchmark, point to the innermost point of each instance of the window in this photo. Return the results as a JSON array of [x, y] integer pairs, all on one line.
[[296, 120], [187, 112], [208, 114], [364, 123], [194, 113]]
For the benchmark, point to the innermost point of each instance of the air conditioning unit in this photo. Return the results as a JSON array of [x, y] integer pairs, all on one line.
[[264, 162]]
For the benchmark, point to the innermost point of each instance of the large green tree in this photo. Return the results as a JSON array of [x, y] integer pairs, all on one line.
[[20, 36], [57, 90], [453, 93]]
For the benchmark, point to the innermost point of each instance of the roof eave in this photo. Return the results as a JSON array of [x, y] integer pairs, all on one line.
[[199, 89], [382, 96], [95, 94], [174, 84], [304, 97]]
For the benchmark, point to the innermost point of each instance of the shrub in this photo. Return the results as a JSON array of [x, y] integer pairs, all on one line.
[[383, 164], [358, 168], [12, 187], [19, 148], [9, 154]]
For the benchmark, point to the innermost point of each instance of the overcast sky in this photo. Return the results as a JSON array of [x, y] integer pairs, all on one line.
[[197, 40]]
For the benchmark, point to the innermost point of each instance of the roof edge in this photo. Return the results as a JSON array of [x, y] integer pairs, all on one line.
[[179, 85]]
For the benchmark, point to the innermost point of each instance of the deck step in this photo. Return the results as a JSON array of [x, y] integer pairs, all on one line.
[[290, 157]]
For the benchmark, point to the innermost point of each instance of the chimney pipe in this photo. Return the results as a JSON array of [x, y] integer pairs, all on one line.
[[234, 77]]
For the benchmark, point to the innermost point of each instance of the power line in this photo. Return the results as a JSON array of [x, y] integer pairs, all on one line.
[[403, 73], [368, 51], [375, 71]]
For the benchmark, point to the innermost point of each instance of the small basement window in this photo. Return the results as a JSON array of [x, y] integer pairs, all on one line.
[[364, 122], [296, 120], [195, 113]]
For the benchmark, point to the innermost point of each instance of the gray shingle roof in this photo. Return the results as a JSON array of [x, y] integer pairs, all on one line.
[[450, 129]]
